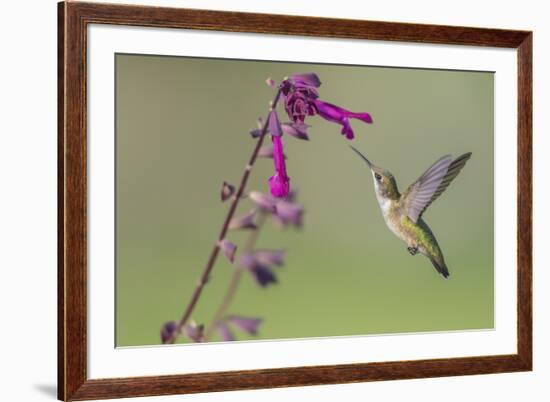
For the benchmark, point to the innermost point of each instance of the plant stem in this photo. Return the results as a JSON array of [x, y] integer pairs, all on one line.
[[216, 249], [235, 279]]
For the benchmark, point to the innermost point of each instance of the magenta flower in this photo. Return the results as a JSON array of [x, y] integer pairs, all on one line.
[[339, 115], [279, 183], [301, 100]]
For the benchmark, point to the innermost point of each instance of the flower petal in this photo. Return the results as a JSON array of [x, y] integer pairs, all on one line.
[[246, 324], [227, 191], [309, 79], [248, 261], [261, 273], [279, 185], [245, 221], [346, 129], [264, 201], [289, 213], [296, 130], [228, 249], [263, 276], [270, 257], [225, 332], [167, 331], [337, 114]]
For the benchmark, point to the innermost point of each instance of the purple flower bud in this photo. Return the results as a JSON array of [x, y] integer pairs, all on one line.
[[289, 213], [296, 130], [279, 183], [245, 221], [308, 79], [270, 257], [246, 324], [194, 332], [167, 331], [263, 276], [273, 125], [264, 201], [261, 273], [257, 131], [225, 332], [228, 249], [227, 191]]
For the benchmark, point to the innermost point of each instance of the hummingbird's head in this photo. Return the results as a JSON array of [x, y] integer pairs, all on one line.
[[385, 185]]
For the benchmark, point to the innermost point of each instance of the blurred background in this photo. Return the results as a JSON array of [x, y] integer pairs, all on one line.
[[182, 129]]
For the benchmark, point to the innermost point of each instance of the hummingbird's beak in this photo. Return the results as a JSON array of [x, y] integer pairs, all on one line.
[[362, 156]]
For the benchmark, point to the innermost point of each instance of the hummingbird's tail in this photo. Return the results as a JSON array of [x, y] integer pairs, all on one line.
[[440, 266]]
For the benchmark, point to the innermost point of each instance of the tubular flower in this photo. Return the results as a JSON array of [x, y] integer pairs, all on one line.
[[279, 183], [301, 99]]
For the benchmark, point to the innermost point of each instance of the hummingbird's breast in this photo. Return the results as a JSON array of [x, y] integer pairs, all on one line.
[[392, 214]]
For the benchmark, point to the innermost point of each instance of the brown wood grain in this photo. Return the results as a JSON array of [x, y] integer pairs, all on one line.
[[73, 19]]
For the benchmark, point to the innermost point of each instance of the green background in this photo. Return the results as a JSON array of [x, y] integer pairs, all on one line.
[[182, 129]]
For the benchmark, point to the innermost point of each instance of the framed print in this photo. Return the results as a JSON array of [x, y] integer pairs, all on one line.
[[252, 201]]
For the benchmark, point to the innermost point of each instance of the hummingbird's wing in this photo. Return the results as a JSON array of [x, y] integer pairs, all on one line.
[[432, 184]]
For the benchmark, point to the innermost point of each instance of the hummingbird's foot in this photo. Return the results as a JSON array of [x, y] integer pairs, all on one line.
[[413, 250]]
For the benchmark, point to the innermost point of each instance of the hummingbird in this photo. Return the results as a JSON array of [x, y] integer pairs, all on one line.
[[403, 212]]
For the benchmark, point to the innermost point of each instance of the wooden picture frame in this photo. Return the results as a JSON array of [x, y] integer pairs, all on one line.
[[73, 382]]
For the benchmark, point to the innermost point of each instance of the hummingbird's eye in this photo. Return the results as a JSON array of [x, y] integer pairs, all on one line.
[[377, 177]]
